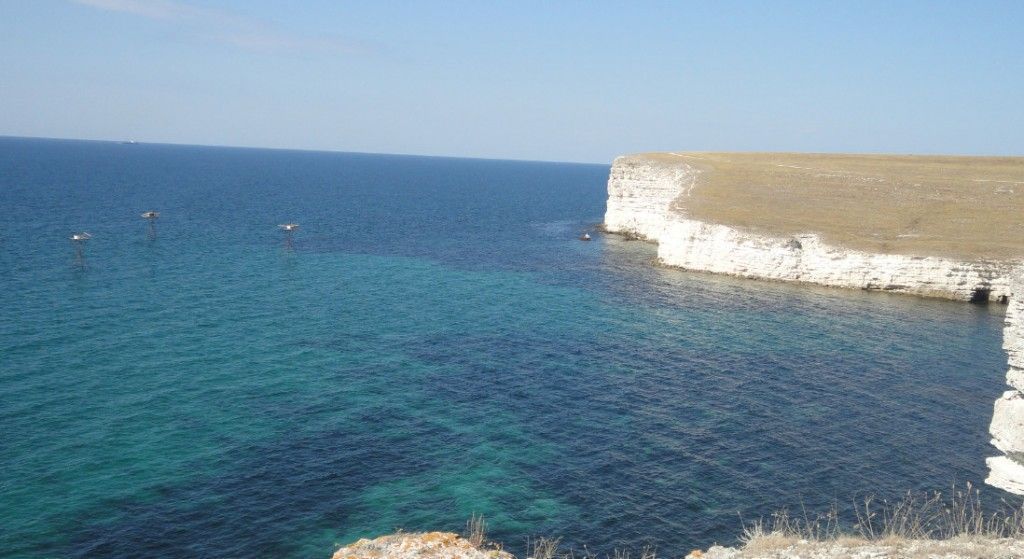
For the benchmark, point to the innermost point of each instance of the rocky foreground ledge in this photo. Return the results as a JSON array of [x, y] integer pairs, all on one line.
[[446, 545], [783, 548]]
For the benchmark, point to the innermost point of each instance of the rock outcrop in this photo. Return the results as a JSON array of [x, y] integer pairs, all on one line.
[[649, 197], [443, 545], [428, 545]]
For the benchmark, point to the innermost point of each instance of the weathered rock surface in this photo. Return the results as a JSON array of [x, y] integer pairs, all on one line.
[[428, 545], [648, 197]]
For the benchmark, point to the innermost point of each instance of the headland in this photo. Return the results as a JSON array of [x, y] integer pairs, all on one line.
[[939, 226]]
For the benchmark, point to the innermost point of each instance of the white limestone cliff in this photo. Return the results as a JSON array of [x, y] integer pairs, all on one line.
[[648, 199], [1007, 429]]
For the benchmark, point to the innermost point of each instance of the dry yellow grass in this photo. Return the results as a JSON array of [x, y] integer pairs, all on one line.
[[916, 526], [968, 208]]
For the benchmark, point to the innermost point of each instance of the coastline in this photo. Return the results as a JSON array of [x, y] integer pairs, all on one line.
[[648, 198]]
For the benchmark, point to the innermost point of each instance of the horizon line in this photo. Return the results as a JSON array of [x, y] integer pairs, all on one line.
[[309, 150], [482, 158]]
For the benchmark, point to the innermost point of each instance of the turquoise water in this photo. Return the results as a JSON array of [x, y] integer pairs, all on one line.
[[433, 343]]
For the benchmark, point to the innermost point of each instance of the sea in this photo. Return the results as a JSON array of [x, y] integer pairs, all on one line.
[[433, 342]]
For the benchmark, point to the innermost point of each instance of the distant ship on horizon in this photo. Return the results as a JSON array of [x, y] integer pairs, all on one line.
[[129, 142]]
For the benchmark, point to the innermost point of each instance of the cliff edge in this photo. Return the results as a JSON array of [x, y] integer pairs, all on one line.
[[925, 225]]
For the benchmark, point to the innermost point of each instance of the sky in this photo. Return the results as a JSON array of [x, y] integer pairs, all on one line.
[[555, 81]]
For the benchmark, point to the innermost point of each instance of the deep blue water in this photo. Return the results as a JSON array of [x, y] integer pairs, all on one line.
[[433, 343]]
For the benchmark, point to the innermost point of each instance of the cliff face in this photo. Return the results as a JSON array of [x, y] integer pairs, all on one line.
[[640, 193], [1007, 429], [653, 198]]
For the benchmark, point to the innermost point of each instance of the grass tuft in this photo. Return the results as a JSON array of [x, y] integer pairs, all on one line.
[[476, 530], [916, 516], [544, 548]]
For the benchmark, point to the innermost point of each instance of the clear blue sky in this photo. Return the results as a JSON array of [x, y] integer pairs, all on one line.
[[567, 81]]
